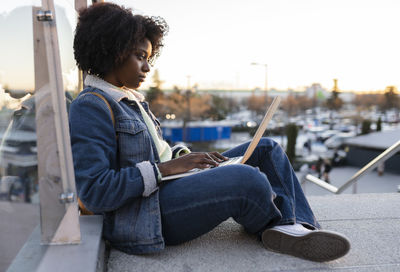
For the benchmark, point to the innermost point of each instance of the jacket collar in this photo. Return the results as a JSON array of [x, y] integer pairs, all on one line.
[[115, 92]]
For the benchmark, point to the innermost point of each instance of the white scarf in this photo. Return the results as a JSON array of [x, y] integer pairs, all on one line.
[[163, 148]]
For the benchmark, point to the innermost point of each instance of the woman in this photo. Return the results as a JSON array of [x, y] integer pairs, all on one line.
[[120, 157]]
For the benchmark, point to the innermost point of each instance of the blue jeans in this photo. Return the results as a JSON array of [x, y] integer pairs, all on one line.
[[261, 194]]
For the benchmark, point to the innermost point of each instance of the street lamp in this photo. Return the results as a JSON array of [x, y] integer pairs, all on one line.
[[266, 77], [186, 119]]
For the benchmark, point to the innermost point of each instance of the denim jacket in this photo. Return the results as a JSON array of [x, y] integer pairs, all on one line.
[[111, 168]]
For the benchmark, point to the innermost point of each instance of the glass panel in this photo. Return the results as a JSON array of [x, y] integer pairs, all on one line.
[[19, 196], [18, 160], [58, 211]]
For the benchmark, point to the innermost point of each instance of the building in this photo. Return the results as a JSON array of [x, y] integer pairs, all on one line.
[[364, 148]]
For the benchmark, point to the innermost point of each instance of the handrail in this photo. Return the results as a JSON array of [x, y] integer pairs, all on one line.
[[388, 153]]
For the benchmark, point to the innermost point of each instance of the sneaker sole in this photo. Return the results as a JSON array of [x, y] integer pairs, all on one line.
[[317, 246]]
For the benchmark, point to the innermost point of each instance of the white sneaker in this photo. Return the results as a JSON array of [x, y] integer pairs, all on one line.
[[313, 245], [295, 230]]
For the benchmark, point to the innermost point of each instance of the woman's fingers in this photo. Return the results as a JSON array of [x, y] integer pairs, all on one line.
[[200, 160], [218, 156], [187, 162], [197, 160], [210, 159]]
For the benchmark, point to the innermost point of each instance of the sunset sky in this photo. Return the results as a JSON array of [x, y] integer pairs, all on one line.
[[302, 42]]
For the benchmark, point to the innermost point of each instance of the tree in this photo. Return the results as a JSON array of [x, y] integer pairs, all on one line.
[[257, 104], [154, 93], [334, 102], [366, 101], [295, 104], [175, 103], [379, 124], [199, 105], [365, 127], [157, 82], [186, 105], [391, 98], [159, 107], [219, 108], [291, 133], [304, 103], [289, 105]]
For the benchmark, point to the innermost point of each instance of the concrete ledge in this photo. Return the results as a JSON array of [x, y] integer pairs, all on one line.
[[86, 257], [370, 221]]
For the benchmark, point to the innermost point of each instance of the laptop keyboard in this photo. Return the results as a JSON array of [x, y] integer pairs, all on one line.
[[232, 160]]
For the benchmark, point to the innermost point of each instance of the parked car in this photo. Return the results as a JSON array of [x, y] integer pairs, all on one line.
[[323, 136], [337, 141]]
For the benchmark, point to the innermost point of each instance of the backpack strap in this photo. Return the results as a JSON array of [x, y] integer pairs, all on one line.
[[82, 208], [108, 105]]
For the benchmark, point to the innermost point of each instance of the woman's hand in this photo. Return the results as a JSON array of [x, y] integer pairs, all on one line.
[[189, 161]]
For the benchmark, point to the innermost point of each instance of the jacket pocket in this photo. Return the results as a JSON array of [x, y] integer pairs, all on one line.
[[130, 126], [133, 140]]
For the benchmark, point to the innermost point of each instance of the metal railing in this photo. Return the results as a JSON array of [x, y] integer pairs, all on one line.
[[388, 153]]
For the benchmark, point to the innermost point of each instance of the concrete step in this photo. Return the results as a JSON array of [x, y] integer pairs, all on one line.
[[16, 225], [88, 256], [370, 221]]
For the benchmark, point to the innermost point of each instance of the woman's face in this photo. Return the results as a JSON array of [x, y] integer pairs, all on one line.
[[132, 72]]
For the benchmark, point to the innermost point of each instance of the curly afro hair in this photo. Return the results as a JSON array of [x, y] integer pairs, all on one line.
[[106, 35]]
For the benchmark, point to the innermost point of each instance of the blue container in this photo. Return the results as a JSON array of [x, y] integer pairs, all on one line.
[[197, 133], [194, 134]]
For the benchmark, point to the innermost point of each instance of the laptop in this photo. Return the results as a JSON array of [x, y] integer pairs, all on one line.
[[253, 144]]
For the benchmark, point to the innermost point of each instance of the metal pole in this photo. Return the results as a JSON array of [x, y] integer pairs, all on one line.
[[372, 165], [321, 183], [265, 79], [355, 188], [385, 155], [266, 83]]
